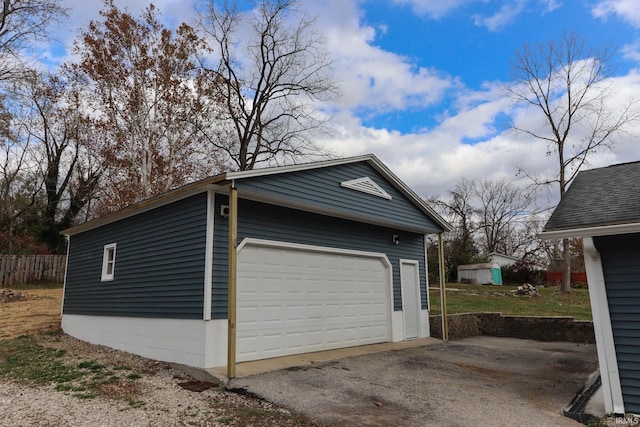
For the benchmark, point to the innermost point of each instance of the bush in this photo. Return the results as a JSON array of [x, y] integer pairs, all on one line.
[[522, 272]]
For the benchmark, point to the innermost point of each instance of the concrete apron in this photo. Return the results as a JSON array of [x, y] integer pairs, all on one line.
[[246, 369]]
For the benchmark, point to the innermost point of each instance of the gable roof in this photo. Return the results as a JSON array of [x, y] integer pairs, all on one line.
[[600, 201], [222, 181]]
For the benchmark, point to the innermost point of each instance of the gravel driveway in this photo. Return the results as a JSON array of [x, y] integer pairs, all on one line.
[[482, 381]]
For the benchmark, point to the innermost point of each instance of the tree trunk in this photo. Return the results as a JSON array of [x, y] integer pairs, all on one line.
[[566, 276]]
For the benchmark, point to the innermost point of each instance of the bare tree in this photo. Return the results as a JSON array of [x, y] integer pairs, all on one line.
[[268, 81], [501, 205], [567, 81], [488, 216], [52, 120], [19, 183], [21, 23], [459, 208]]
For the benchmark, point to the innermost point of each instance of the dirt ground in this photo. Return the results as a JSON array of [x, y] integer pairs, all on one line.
[[40, 311], [151, 395]]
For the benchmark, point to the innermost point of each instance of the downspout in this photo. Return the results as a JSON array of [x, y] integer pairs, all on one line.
[[443, 290], [233, 260]]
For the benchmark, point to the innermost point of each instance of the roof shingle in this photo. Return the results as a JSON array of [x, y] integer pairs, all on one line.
[[600, 197]]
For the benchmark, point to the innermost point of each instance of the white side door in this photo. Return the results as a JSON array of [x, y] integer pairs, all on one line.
[[410, 284]]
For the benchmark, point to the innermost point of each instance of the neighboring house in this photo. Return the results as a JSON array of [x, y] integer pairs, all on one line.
[[480, 274], [603, 207], [326, 255], [502, 260]]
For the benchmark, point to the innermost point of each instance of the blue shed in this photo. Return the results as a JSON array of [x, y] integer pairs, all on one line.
[[602, 206], [324, 255]]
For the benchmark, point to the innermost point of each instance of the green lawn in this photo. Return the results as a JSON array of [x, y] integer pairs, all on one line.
[[478, 298]]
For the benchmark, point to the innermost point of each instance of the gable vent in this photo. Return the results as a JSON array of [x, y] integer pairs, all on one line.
[[366, 185]]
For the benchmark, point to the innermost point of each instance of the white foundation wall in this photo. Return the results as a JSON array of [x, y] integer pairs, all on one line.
[[197, 343]]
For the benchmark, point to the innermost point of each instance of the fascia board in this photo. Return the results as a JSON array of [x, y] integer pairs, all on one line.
[[369, 158], [602, 230], [145, 205]]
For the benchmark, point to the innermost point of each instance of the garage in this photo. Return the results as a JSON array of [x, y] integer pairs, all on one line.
[[256, 264], [295, 299]]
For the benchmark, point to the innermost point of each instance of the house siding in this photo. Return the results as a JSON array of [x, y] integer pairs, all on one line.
[[621, 266], [320, 188], [270, 222], [159, 268]]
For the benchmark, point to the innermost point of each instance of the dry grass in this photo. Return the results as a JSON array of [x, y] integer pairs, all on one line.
[[38, 313]]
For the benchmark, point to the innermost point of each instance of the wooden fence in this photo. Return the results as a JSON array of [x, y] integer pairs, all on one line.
[[556, 276], [31, 269]]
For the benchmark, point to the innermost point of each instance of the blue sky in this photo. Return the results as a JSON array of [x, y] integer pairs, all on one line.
[[423, 80], [476, 41]]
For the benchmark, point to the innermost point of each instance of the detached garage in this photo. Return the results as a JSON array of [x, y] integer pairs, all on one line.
[[256, 264]]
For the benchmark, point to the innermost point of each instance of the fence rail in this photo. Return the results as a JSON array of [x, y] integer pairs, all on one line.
[[31, 269]]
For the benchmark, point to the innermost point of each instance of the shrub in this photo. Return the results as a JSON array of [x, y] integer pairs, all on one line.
[[522, 272]]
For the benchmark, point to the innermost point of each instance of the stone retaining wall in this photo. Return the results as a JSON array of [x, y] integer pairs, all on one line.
[[539, 328]]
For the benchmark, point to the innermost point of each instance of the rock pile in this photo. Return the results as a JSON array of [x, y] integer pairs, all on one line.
[[526, 289], [8, 295]]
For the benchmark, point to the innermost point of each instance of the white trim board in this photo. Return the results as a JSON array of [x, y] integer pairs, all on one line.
[[601, 230], [208, 255], [607, 359]]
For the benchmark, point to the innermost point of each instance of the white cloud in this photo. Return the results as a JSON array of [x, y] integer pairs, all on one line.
[[627, 10], [433, 9], [632, 51], [502, 18], [550, 5], [374, 79], [433, 160]]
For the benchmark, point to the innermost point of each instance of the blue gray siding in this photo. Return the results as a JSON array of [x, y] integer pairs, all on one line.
[[159, 269], [621, 264], [320, 188], [264, 221]]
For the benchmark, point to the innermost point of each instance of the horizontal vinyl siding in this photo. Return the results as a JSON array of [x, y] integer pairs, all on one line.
[[263, 221], [159, 267], [321, 188], [621, 265]]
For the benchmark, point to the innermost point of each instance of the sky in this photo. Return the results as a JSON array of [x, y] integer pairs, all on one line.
[[423, 81]]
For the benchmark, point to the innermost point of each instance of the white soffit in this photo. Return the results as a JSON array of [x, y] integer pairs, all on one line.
[[366, 185]]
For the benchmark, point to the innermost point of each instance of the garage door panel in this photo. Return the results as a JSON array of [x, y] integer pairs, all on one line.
[[293, 301]]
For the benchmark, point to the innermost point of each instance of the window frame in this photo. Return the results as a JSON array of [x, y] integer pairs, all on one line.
[[106, 262]]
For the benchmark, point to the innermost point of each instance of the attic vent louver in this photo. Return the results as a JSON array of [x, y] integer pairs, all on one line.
[[366, 185]]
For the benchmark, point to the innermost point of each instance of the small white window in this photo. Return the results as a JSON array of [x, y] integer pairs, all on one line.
[[108, 262]]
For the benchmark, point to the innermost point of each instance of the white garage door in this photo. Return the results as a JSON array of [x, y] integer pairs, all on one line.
[[301, 299]]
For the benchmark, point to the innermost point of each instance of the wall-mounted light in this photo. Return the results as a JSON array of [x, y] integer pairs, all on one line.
[[224, 211], [395, 239]]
